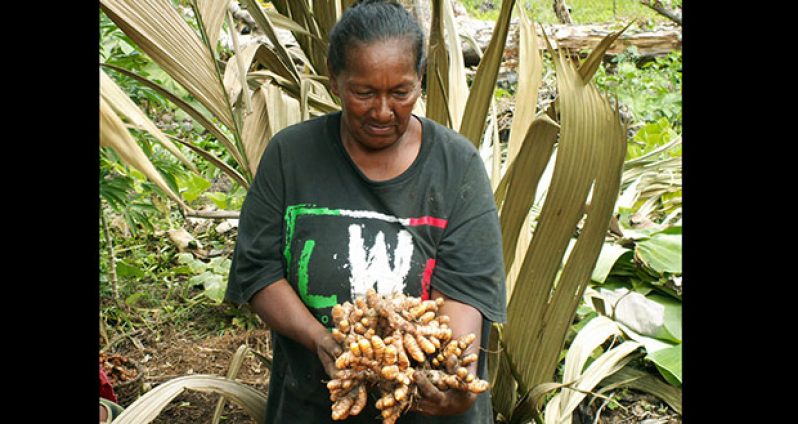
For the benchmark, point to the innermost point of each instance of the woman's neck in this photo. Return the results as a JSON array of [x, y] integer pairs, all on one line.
[[390, 162]]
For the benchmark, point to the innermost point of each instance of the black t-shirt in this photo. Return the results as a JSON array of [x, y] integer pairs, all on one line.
[[311, 216]]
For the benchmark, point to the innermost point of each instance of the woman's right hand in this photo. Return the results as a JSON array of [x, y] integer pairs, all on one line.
[[281, 309], [328, 350]]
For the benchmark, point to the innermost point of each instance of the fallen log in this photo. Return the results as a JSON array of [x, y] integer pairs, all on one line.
[[656, 42]]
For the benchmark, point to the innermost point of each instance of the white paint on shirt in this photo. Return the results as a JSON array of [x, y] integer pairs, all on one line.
[[371, 268]]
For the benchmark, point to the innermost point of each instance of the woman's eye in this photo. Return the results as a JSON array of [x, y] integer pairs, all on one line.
[[363, 93]]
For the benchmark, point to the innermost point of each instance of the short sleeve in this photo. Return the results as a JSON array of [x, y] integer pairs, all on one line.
[[257, 257], [469, 264]]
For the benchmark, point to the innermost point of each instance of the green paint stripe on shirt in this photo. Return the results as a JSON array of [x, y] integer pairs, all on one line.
[[291, 214], [312, 300]]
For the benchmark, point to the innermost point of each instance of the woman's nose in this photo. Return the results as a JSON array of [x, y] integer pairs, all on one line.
[[383, 111]]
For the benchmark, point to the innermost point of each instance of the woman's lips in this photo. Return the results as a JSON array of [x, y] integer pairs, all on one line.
[[377, 129]]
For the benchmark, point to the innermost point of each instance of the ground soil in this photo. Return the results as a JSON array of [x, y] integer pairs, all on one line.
[[170, 353]]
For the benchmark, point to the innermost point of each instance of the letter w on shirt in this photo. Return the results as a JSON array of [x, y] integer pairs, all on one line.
[[370, 268]]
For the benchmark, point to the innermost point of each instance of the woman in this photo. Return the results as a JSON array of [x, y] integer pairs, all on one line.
[[369, 197]]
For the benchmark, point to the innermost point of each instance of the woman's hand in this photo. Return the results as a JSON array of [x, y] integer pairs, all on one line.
[[328, 349], [434, 401], [463, 319], [281, 309]]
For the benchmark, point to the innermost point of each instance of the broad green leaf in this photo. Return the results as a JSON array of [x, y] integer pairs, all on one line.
[[610, 253], [673, 229], [672, 330], [124, 269], [214, 285], [220, 265], [182, 270], [589, 161], [662, 252], [193, 187], [195, 265], [669, 363], [204, 278], [218, 198]]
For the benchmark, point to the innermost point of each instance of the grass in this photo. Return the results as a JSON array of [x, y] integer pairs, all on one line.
[[582, 11]]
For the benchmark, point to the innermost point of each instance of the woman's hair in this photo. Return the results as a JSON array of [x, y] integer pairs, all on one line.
[[370, 21]]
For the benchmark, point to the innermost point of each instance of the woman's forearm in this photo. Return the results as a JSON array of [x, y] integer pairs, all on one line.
[[281, 309]]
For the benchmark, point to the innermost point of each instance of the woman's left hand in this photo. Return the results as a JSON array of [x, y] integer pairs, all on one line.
[[434, 401]]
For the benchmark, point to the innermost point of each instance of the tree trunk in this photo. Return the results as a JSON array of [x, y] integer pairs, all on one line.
[[563, 12], [658, 7]]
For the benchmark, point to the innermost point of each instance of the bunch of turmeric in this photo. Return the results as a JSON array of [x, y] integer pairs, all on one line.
[[385, 341]]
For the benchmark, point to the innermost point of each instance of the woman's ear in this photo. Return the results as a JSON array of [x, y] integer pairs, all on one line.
[[333, 80], [421, 77]]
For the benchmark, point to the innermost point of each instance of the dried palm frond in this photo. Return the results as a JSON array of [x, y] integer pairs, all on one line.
[[146, 408]]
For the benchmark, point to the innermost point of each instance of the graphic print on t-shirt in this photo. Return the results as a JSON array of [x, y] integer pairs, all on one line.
[[334, 255]]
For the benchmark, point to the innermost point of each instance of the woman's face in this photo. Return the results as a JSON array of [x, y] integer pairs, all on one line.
[[378, 89]]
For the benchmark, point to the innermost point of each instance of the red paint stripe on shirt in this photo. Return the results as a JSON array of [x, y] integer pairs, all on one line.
[[429, 220], [425, 279]]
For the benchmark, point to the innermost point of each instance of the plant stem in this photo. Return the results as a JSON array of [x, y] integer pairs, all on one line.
[[111, 257], [103, 331]]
